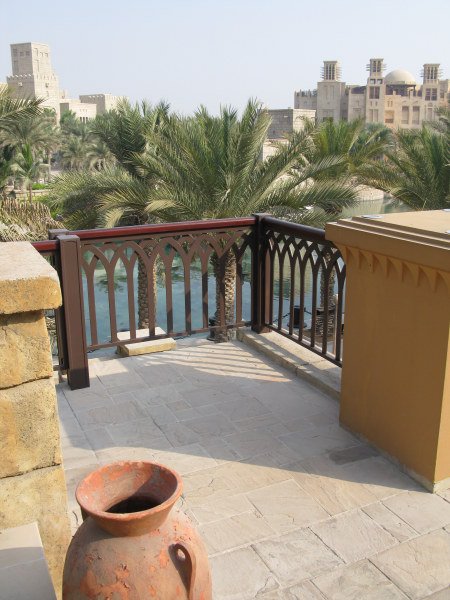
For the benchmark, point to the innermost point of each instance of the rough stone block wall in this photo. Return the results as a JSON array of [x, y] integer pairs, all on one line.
[[32, 485]]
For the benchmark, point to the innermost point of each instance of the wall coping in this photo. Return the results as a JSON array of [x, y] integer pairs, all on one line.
[[27, 281], [419, 237]]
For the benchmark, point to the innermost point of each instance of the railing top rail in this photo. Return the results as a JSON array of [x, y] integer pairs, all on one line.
[[46, 246], [143, 230], [180, 226], [313, 234]]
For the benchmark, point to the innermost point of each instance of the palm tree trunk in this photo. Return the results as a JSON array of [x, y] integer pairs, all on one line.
[[224, 270], [30, 192], [326, 291], [143, 303]]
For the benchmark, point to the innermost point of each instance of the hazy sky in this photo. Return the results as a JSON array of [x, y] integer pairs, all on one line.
[[193, 52]]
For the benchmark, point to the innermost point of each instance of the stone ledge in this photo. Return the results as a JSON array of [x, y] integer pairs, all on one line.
[[316, 370], [23, 568], [29, 432], [146, 346], [24, 349], [39, 496], [27, 281]]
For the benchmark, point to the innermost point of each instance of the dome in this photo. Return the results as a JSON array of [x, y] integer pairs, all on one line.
[[399, 77]]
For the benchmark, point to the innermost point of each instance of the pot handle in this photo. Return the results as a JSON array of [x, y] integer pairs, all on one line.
[[189, 563]]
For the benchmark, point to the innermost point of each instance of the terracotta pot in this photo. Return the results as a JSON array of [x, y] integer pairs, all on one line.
[[133, 544]]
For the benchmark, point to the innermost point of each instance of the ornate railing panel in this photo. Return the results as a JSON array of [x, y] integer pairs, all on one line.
[[119, 285], [305, 280], [143, 261]]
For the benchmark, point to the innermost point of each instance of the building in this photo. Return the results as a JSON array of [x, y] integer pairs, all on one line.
[[103, 102], [284, 121], [84, 112], [395, 99], [33, 76]]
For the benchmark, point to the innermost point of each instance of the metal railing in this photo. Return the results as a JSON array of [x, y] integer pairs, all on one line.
[[118, 284], [302, 286]]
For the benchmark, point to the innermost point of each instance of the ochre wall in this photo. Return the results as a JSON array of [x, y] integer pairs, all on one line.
[[396, 361]]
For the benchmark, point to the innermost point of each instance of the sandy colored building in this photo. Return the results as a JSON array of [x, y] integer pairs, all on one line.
[[33, 77], [395, 99], [284, 122], [102, 102]]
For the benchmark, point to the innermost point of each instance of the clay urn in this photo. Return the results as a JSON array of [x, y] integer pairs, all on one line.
[[133, 544]]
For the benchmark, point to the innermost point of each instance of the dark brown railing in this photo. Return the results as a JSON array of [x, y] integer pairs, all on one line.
[[303, 280], [262, 251]]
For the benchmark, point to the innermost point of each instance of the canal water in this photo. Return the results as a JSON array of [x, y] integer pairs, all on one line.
[[101, 298]]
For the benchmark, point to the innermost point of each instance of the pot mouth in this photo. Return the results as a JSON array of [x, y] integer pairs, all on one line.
[[128, 491]]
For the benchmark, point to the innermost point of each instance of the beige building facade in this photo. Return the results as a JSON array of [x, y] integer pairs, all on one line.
[[102, 102], [33, 77], [32, 74], [395, 100]]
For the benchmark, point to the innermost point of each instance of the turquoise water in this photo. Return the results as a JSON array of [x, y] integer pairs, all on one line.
[[178, 298]]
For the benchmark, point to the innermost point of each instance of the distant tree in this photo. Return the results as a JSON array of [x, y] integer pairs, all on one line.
[[416, 170], [119, 193], [27, 221], [12, 109], [28, 167]]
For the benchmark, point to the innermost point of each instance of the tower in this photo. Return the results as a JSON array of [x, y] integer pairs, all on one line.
[[331, 70], [376, 67], [32, 74], [331, 93], [430, 73]]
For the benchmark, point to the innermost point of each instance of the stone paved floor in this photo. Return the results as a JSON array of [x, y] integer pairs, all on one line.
[[289, 504]]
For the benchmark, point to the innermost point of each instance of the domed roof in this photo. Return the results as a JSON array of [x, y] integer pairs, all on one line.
[[399, 77]]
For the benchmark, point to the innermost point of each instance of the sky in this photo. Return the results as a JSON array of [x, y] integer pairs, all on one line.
[[211, 52]]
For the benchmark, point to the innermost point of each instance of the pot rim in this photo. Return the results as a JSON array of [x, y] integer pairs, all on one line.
[[138, 515]]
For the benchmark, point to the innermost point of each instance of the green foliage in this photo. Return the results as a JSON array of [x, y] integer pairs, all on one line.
[[23, 220], [416, 170]]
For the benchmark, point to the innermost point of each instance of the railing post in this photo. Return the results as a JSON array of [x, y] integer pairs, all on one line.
[[260, 278], [73, 311]]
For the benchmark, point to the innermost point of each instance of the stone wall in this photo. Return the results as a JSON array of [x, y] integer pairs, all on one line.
[[32, 485]]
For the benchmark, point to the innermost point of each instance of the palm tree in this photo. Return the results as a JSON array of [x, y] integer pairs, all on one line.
[[25, 221], [358, 145], [210, 167], [118, 194], [6, 172], [28, 166], [416, 171], [12, 109]]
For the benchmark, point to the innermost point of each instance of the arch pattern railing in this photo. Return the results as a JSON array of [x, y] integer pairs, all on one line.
[[305, 286], [292, 278]]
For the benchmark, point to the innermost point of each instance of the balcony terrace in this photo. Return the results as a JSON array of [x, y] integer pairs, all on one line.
[[290, 503]]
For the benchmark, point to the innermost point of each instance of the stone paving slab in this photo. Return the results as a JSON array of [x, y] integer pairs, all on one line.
[[290, 505]]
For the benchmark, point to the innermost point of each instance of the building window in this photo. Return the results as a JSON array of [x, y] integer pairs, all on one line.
[[375, 116], [389, 116], [374, 93], [415, 115], [15, 52], [27, 53], [405, 115], [428, 94], [434, 94]]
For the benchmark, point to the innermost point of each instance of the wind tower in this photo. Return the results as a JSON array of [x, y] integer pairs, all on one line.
[[331, 93]]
